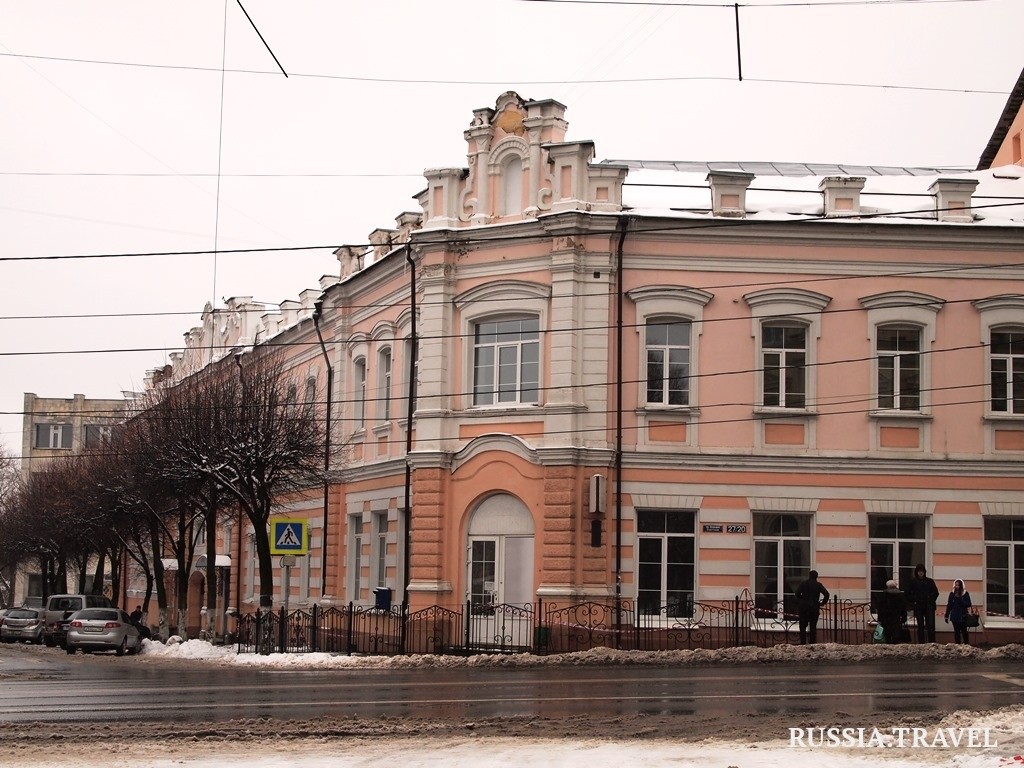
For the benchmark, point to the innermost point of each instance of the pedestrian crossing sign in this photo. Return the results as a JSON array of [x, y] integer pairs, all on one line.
[[289, 537]]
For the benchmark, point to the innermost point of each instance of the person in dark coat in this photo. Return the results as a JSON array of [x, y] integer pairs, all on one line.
[[923, 595], [957, 607], [892, 612], [810, 596]]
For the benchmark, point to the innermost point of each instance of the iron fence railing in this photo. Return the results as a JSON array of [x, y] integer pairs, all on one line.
[[545, 627]]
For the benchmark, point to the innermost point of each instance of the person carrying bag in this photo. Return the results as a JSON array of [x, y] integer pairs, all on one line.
[[958, 611]]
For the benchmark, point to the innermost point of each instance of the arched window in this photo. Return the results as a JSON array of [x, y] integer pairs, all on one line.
[[384, 385], [359, 392], [511, 202]]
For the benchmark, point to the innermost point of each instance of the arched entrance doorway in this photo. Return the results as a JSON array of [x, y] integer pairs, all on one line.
[[499, 571]]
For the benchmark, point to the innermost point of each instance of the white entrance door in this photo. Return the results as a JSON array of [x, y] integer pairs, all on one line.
[[499, 578]]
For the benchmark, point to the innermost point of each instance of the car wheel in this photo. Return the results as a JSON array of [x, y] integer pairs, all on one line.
[[70, 650], [50, 642], [123, 647]]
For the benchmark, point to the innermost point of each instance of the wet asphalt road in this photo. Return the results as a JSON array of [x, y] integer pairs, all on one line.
[[40, 684]]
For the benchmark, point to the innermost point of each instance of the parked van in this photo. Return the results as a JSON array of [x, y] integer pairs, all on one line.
[[60, 607]]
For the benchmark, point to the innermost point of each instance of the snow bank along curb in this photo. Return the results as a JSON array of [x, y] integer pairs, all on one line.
[[825, 652]]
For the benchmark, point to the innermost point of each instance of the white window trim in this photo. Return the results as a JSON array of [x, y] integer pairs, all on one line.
[[997, 313], [794, 305], [384, 409], [903, 309], [481, 304], [667, 301]]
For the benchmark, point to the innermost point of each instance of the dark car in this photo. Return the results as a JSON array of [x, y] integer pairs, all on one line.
[[102, 629], [22, 624]]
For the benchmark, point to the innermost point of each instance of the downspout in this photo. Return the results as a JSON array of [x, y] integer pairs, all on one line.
[[318, 306], [410, 409], [622, 227]]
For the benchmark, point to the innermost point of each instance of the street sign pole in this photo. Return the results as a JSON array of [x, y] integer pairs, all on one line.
[[287, 561]]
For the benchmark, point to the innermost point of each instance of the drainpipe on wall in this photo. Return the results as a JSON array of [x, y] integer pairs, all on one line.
[[410, 409], [622, 227], [318, 306]]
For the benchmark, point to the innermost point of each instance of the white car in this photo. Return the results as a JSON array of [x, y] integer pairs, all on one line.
[[102, 629]]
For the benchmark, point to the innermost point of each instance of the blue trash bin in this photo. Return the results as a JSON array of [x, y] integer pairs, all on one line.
[[382, 598]]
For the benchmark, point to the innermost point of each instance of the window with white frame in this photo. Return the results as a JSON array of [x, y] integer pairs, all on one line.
[[506, 361], [384, 385], [667, 343], [902, 327], [784, 364], [665, 556], [786, 324], [782, 559], [380, 554], [896, 543], [1006, 369], [355, 558], [359, 392], [1004, 566], [502, 353], [899, 368], [668, 321], [53, 436]]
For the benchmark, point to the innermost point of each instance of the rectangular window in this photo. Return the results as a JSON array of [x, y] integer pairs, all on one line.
[[665, 550], [1006, 358], [896, 545], [783, 362], [356, 556], [1004, 566], [668, 362], [782, 558], [97, 435], [53, 436], [899, 368], [381, 546], [506, 361]]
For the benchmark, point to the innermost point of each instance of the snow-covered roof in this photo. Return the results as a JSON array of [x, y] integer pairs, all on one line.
[[786, 191]]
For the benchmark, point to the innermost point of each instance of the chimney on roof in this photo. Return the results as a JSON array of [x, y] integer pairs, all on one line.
[[842, 195], [953, 199], [350, 257], [729, 192]]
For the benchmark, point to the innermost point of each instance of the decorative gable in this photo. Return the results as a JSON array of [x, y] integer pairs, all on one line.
[[519, 166]]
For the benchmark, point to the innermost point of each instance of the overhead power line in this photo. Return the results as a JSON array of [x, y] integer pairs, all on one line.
[[462, 236], [504, 83]]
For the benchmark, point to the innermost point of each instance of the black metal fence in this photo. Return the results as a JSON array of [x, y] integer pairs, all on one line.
[[544, 627]]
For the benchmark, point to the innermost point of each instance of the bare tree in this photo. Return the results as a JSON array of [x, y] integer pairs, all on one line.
[[236, 426], [10, 557]]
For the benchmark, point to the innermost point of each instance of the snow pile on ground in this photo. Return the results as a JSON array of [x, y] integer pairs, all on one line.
[[825, 652]]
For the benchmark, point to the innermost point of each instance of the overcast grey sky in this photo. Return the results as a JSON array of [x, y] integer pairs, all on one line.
[[119, 116]]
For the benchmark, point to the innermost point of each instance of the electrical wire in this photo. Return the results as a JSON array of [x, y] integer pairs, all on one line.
[[505, 82], [460, 236]]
